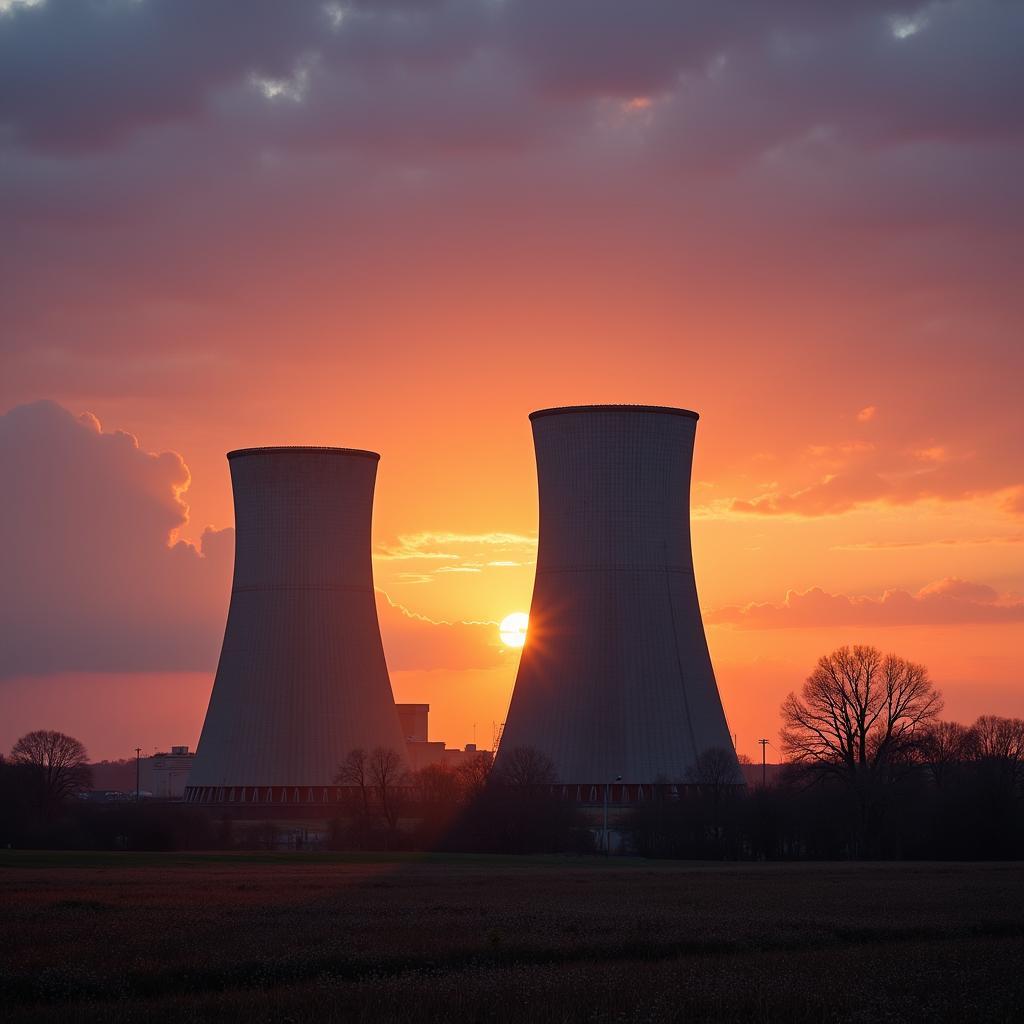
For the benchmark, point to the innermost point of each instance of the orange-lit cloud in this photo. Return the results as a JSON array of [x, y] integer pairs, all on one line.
[[405, 227], [414, 642], [861, 472], [946, 602]]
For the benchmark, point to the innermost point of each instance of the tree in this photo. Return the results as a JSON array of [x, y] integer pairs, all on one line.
[[474, 773], [437, 785], [386, 770], [859, 713], [714, 768], [996, 747], [858, 719], [354, 771], [999, 739], [526, 767], [943, 747], [60, 763]]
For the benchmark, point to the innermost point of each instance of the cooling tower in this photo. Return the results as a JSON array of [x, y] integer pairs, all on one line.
[[615, 679], [302, 678]]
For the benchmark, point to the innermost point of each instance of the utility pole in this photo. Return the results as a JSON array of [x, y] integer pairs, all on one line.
[[764, 769], [138, 755]]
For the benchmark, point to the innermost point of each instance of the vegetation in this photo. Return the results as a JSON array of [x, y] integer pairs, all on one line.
[[57, 763], [337, 938], [873, 774]]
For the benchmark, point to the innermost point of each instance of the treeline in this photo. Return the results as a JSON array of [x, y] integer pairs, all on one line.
[[957, 794], [872, 771]]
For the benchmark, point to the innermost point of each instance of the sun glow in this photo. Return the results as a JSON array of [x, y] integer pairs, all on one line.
[[513, 629]]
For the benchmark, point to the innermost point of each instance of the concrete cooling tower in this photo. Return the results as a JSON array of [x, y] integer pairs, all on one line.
[[302, 678], [615, 680]]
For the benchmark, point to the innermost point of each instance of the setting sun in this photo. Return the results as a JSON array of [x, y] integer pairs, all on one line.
[[513, 629]]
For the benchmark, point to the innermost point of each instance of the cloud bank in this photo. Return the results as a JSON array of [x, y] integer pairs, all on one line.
[[94, 579], [945, 602]]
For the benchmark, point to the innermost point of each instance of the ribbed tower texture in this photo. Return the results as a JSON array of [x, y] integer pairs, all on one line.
[[302, 678], [615, 677]]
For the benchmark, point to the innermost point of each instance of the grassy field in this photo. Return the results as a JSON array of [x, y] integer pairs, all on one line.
[[134, 937]]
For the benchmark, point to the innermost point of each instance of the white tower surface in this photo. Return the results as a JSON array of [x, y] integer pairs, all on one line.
[[615, 678], [302, 678]]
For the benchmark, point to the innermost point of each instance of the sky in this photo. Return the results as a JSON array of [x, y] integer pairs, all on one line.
[[402, 226]]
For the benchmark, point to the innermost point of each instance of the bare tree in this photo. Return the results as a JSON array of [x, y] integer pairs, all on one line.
[[943, 747], [996, 747], [386, 771], [998, 738], [526, 767], [354, 771], [437, 785], [858, 718], [60, 761], [474, 773], [859, 713], [714, 768]]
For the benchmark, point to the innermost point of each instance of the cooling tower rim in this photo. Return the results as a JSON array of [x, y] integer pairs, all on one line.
[[303, 449], [669, 410]]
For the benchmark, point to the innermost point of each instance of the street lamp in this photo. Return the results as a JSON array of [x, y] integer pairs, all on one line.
[[607, 845]]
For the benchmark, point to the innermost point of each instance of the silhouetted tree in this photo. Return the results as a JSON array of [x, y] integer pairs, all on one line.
[[474, 773], [858, 720], [943, 748], [386, 771], [714, 768], [525, 767], [999, 741], [60, 763], [354, 771]]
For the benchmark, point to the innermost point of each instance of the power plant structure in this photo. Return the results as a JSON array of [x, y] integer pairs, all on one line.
[[615, 685], [302, 678]]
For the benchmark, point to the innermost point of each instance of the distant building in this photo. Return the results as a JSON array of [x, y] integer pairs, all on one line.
[[413, 719], [164, 776], [420, 750]]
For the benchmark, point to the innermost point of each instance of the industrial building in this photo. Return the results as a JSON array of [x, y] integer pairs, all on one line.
[[615, 684], [164, 775], [421, 751], [302, 678]]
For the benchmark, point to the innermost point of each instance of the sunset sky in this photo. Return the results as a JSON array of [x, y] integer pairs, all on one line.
[[402, 226]]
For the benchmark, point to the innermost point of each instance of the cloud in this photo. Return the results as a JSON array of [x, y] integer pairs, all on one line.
[[892, 472], [95, 580], [1008, 539], [433, 545], [949, 601], [471, 553], [415, 642], [93, 577]]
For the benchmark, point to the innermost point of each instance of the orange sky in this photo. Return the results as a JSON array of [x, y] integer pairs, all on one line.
[[405, 231]]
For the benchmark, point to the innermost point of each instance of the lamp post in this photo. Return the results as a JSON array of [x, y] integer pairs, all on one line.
[[607, 845], [764, 769], [138, 754]]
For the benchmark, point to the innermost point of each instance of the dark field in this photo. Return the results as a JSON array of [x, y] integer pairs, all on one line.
[[306, 937]]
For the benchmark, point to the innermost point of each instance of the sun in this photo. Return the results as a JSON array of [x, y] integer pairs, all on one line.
[[513, 629]]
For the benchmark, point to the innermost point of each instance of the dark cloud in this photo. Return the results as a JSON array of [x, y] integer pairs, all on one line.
[[85, 74], [734, 76], [94, 580]]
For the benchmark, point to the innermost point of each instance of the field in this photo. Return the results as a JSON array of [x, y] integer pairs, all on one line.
[[340, 938]]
